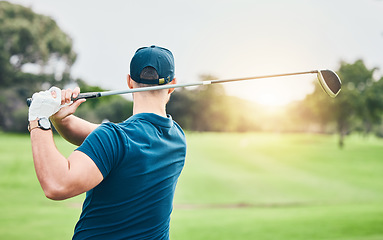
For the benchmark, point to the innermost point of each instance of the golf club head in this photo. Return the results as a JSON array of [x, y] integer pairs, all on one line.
[[329, 82]]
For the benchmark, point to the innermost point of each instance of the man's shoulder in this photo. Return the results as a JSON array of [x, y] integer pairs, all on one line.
[[108, 130]]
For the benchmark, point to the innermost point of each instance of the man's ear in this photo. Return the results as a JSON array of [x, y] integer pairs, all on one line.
[[174, 81], [130, 81]]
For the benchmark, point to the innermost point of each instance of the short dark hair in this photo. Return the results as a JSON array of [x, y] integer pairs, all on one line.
[[149, 73]]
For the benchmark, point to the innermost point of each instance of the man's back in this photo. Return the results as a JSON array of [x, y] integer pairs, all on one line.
[[140, 160]]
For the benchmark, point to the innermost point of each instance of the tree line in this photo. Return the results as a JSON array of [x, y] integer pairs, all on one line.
[[36, 54]]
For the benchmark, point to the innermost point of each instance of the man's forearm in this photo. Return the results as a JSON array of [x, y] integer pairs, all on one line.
[[50, 165], [73, 129]]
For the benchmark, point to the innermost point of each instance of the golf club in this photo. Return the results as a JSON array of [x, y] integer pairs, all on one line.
[[328, 80]]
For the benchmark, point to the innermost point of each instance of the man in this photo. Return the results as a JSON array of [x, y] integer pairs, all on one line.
[[128, 170]]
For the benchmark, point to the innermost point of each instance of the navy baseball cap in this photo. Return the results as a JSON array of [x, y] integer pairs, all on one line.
[[161, 59]]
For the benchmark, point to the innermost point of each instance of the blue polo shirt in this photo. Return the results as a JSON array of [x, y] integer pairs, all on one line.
[[140, 160]]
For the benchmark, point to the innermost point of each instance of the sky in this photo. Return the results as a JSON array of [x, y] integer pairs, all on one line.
[[225, 39]]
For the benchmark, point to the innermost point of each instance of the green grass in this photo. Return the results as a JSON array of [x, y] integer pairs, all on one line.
[[339, 222], [234, 186], [25, 213]]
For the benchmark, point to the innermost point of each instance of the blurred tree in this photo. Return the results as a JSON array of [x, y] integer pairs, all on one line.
[[357, 107], [182, 107], [117, 109], [33, 41], [208, 108], [84, 87], [34, 55], [211, 114], [201, 109], [112, 108]]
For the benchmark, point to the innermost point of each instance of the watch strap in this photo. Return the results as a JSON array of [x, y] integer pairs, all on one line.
[[39, 124], [32, 125]]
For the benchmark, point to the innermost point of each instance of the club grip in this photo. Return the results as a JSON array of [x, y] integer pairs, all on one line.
[[80, 96], [87, 95]]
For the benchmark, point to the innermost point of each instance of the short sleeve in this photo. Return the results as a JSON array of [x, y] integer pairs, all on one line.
[[102, 147]]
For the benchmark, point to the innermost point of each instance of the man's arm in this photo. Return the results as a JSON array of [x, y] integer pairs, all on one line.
[[73, 129], [70, 127], [59, 177]]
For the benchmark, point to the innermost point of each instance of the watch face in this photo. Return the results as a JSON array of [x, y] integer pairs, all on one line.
[[44, 123]]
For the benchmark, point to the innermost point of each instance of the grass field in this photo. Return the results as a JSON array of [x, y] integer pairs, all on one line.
[[234, 186]]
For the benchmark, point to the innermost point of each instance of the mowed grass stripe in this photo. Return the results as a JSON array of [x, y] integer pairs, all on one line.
[[264, 168], [355, 222]]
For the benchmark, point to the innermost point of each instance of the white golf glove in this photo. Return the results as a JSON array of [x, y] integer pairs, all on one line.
[[44, 105]]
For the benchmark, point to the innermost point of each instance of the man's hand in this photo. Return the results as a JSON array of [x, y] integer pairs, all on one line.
[[45, 103], [68, 107], [70, 127]]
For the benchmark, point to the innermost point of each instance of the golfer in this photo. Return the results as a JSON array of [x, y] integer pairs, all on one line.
[[128, 170]]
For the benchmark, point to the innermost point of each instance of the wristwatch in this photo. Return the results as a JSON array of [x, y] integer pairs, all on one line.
[[42, 123]]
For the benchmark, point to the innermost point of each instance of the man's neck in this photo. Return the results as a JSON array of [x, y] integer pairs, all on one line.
[[148, 104]]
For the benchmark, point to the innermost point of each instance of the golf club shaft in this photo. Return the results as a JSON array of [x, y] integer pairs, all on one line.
[[206, 82]]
